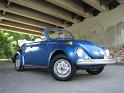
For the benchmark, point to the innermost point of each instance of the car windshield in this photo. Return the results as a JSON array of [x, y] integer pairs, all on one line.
[[59, 34]]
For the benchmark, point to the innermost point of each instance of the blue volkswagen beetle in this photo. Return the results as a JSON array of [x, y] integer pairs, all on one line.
[[62, 55]]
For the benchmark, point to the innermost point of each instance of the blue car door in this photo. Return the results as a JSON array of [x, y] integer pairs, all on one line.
[[39, 53]]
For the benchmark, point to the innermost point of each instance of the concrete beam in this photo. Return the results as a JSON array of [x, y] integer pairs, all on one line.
[[26, 12], [47, 9], [71, 6], [20, 26], [24, 20], [12, 29], [95, 4], [121, 1]]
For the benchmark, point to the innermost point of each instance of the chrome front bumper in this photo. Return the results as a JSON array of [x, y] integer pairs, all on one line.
[[96, 61]]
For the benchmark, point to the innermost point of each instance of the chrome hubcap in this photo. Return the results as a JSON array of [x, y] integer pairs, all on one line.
[[62, 68], [17, 63]]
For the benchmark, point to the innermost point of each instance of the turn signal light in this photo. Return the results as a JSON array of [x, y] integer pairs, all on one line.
[[69, 43]]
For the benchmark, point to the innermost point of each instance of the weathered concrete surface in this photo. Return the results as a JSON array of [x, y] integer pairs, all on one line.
[[118, 54], [106, 29], [41, 81]]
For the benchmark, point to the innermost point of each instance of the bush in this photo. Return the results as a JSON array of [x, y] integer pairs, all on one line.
[[8, 43]]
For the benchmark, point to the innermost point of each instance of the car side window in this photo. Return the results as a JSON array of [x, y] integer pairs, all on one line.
[[53, 34], [59, 34]]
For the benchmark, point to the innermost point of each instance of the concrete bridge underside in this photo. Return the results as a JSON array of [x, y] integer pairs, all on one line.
[[32, 16]]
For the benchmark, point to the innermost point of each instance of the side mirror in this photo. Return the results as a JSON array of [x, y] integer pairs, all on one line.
[[44, 39]]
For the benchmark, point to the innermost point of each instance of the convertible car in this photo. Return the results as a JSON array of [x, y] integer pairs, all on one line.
[[62, 55]]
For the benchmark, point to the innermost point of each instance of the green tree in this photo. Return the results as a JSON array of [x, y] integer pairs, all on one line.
[[8, 43]]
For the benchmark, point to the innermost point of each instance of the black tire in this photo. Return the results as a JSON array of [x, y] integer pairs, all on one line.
[[21, 66], [95, 71], [54, 61]]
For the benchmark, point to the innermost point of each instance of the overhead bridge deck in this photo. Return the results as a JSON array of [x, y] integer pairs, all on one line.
[[32, 16]]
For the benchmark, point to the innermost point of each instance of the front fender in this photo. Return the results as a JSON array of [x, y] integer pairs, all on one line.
[[69, 51]]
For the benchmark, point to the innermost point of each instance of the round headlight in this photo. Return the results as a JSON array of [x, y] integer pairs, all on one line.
[[107, 52], [80, 51]]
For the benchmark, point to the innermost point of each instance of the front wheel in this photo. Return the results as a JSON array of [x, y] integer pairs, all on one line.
[[61, 68], [95, 70]]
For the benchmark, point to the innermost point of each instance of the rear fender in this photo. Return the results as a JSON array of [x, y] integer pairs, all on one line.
[[21, 57]]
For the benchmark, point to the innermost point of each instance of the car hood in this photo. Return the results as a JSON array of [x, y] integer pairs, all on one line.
[[93, 50]]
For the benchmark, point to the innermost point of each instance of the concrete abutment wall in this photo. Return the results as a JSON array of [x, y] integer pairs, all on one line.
[[107, 28]]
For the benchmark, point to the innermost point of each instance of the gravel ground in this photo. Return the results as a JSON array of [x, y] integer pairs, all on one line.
[[36, 80]]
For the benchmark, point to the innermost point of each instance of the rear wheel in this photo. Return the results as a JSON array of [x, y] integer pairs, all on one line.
[[18, 65], [61, 68], [95, 70]]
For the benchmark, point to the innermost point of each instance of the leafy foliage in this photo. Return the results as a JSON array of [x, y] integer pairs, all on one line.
[[8, 43]]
